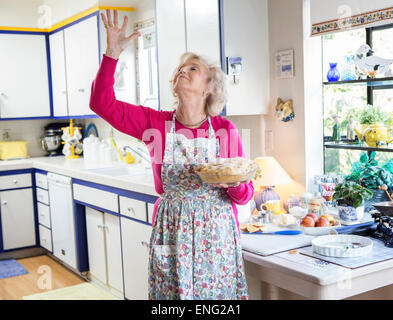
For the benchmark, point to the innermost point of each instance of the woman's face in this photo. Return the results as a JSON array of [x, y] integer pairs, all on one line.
[[191, 77]]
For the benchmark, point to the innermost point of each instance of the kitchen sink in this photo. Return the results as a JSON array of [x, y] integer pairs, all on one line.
[[121, 171]]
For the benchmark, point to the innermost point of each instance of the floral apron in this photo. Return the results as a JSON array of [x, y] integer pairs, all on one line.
[[195, 250]]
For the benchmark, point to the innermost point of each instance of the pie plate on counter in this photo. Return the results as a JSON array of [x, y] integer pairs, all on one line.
[[342, 245], [227, 170]]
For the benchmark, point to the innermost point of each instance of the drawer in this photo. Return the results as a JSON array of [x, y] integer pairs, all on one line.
[[133, 208], [42, 196], [14, 181], [43, 215], [45, 238], [150, 211], [96, 197], [41, 180]]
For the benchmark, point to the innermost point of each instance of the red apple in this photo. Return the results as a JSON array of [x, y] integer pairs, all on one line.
[[314, 216], [323, 222], [307, 221]]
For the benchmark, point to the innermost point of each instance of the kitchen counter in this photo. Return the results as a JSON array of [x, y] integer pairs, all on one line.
[[297, 275], [77, 168]]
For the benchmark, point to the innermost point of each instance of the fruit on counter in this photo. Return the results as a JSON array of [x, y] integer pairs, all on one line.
[[323, 222], [330, 218], [308, 222], [314, 216], [252, 227]]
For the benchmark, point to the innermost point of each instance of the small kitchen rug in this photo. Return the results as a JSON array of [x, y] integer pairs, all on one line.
[[11, 268], [84, 291]]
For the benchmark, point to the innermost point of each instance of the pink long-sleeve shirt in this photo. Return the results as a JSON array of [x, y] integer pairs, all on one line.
[[151, 126]]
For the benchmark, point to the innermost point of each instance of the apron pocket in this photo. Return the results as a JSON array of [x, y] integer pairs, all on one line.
[[164, 259]]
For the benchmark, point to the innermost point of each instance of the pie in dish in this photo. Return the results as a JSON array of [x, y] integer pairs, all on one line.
[[228, 170]]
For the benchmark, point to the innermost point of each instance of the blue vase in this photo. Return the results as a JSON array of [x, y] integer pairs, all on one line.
[[348, 71], [333, 74]]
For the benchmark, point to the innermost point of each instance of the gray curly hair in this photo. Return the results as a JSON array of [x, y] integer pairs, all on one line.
[[216, 78]]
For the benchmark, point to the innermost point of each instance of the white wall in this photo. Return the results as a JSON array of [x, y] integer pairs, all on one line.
[[19, 13]]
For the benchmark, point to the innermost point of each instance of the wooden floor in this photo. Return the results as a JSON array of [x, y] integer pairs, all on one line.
[[44, 274]]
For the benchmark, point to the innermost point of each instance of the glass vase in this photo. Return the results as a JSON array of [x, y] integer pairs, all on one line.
[[348, 71], [333, 74]]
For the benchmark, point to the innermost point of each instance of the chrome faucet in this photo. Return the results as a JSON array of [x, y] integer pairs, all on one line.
[[139, 152]]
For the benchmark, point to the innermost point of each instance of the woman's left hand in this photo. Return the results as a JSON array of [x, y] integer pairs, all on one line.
[[228, 185]]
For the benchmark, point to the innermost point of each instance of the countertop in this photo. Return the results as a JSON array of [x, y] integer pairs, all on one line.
[[77, 168]]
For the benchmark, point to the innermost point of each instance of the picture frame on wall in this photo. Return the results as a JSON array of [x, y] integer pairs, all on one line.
[[285, 64]]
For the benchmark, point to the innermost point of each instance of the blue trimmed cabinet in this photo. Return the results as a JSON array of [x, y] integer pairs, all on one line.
[[43, 210], [113, 228], [18, 216]]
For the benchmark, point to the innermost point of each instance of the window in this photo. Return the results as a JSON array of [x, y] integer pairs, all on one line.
[[146, 65], [345, 98]]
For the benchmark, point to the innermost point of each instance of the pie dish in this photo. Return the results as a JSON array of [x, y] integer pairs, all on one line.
[[228, 170]]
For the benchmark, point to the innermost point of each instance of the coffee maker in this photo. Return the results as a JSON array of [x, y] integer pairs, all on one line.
[[51, 140]]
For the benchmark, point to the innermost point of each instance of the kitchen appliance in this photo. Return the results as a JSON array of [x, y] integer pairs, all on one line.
[[51, 140], [13, 150], [62, 218]]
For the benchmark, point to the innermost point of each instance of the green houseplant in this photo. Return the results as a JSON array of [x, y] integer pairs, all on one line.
[[351, 198], [371, 114], [368, 173]]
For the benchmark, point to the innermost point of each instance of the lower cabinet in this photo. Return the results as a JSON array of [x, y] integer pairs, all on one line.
[[135, 240], [104, 248], [17, 218]]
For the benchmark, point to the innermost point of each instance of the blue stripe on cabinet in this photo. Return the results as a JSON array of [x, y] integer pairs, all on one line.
[[120, 192], [41, 171], [96, 208], [81, 237]]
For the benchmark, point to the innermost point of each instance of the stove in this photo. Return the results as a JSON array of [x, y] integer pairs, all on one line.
[[384, 228]]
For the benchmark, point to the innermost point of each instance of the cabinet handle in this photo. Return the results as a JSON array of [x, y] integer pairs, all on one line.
[[99, 226], [4, 202], [131, 210], [15, 181], [145, 244], [81, 90]]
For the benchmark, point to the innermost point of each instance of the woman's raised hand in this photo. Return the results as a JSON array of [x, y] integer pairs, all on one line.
[[116, 37]]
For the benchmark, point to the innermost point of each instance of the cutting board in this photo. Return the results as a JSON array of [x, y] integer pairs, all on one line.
[[270, 244]]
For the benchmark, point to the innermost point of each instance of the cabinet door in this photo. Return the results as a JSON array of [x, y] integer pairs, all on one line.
[[17, 218], [59, 85], [135, 240], [24, 86], [171, 41], [203, 28], [96, 244], [113, 246], [81, 51]]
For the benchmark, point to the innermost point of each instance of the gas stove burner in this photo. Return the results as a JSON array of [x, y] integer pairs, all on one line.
[[384, 231]]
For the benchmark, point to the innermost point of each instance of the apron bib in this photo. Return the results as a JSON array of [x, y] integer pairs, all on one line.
[[195, 251]]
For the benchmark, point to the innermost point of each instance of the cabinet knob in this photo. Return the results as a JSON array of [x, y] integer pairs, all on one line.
[[15, 181], [131, 210], [145, 244], [81, 90], [4, 202]]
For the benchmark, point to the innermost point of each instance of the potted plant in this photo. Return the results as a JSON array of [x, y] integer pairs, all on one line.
[[350, 198], [369, 174]]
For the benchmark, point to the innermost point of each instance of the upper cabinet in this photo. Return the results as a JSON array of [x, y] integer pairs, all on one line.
[[74, 62], [245, 28], [24, 85], [217, 29]]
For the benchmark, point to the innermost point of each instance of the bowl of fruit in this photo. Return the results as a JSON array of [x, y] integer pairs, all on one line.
[[313, 225]]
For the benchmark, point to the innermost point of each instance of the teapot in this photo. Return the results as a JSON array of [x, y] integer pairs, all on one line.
[[375, 135]]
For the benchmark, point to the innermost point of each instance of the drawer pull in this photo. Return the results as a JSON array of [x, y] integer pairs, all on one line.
[[15, 181], [4, 202], [131, 210], [145, 244]]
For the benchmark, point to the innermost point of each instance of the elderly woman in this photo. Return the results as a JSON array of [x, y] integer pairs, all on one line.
[[195, 250]]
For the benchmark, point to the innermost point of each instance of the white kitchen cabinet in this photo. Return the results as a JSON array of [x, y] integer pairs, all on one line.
[[171, 42], [82, 62], [58, 68], [74, 62], [24, 85], [245, 25], [17, 218], [193, 26], [104, 248], [135, 240], [132, 208]]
